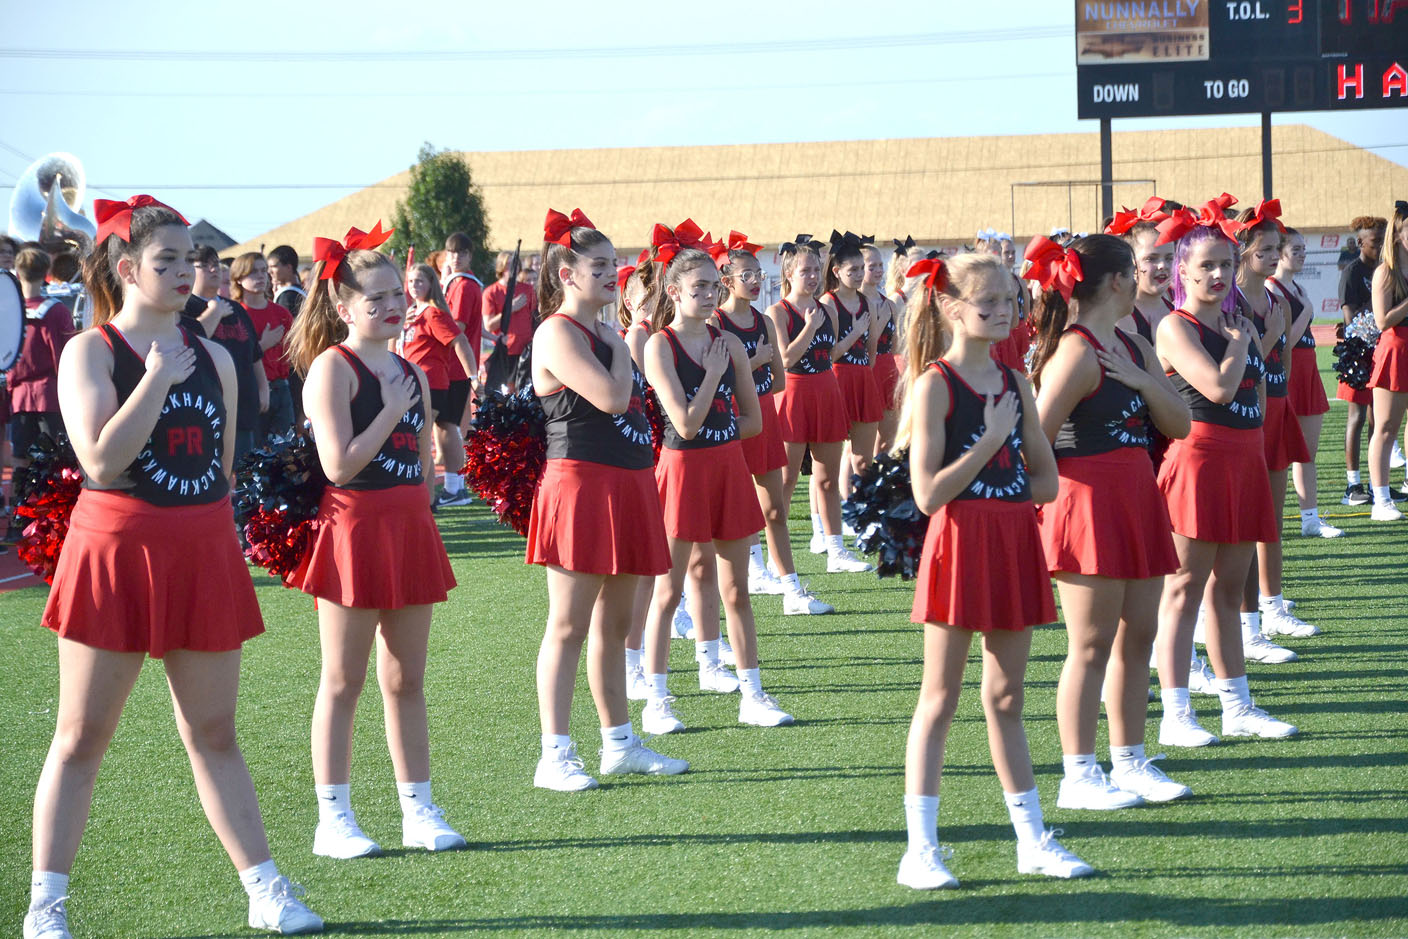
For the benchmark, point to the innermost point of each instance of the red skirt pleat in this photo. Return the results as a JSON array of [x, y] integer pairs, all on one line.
[[597, 519], [1307, 390], [810, 409], [375, 549], [135, 577], [860, 392], [708, 494], [1391, 360], [764, 452], [889, 366], [1109, 518], [1284, 441], [983, 568], [1215, 483]]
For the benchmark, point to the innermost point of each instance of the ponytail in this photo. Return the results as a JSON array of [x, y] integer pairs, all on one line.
[[1050, 315], [318, 327]]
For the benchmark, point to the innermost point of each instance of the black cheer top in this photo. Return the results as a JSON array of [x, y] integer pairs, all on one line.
[[817, 359], [180, 462], [1111, 417], [720, 424], [1277, 381], [397, 463], [1307, 339], [856, 354], [577, 430], [886, 343], [1005, 476], [762, 375], [1244, 411]]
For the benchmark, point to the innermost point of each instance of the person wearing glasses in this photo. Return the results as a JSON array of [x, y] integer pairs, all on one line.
[[227, 323]]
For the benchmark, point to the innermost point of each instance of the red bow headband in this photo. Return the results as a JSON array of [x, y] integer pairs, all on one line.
[[933, 271], [736, 241], [332, 253], [1212, 215], [557, 228], [115, 218], [1267, 210], [668, 241], [623, 275], [1053, 267], [1125, 219]]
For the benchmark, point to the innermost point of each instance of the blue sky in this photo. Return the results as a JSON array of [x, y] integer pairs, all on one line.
[[252, 114]]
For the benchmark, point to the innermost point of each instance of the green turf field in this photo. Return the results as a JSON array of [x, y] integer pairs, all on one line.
[[793, 829]]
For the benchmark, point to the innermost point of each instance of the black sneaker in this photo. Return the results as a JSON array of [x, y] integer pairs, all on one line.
[[446, 499], [1397, 495], [1358, 494]]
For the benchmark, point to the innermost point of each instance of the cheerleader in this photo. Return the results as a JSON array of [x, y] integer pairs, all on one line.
[[1264, 611], [1214, 480], [810, 409], [978, 460], [151, 565], [596, 522], [741, 281], [854, 351], [431, 338], [1099, 389], [711, 511], [1307, 391], [1153, 265], [1390, 378], [376, 563], [888, 363]]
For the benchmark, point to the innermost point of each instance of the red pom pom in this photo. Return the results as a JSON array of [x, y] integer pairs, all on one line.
[[277, 543], [50, 504]]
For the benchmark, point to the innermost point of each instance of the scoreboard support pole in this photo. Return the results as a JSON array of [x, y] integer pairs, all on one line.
[[1266, 154], [1107, 172]]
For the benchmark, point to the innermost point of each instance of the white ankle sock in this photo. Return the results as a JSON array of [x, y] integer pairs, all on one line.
[[921, 819], [707, 650], [1175, 699], [633, 657], [791, 583], [554, 742], [1127, 757], [1232, 692], [657, 686], [750, 680], [1381, 496], [1251, 623], [835, 544], [1307, 515], [1352, 476], [817, 528], [1081, 764], [755, 556], [45, 887], [616, 739], [1024, 808], [413, 795], [1268, 604], [454, 482], [257, 879], [333, 800]]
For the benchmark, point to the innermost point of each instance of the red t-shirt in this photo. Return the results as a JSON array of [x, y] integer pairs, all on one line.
[[275, 365], [520, 323], [465, 296], [34, 378], [427, 341]]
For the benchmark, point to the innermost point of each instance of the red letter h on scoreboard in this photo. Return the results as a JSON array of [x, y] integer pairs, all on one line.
[[1346, 81]]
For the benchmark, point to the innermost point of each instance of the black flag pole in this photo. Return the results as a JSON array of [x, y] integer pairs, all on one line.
[[499, 370]]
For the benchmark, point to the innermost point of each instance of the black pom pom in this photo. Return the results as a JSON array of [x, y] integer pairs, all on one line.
[[277, 491], [888, 524], [1354, 362]]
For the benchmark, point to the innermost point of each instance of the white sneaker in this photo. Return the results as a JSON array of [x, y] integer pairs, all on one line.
[[726, 655], [638, 758], [1319, 528], [281, 909], [682, 625], [763, 582], [818, 545], [341, 838], [658, 717], [1048, 857], [804, 603], [1257, 648], [637, 688], [843, 561], [762, 710], [562, 770], [48, 922], [1180, 728], [847, 530], [1148, 781], [1278, 621], [1396, 458], [1094, 791], [1384, 513], [1200, 677], [426, 828], [924, 869], [1248, 720], [713, 676]]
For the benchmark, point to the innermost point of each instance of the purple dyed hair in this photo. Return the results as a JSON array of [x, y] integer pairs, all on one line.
[[1198, 235]]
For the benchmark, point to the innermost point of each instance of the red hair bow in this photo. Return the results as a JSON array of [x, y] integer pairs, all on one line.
[[623, 275], [1180, 223], [669, 241], [736, 241], [933, 271], [1125, 219], [115, 218], [557, 228], [1053, 267], [332, 252], [1214, 215], [1267, 210]]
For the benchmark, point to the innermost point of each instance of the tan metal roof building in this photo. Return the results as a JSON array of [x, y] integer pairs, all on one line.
[[940, 190]]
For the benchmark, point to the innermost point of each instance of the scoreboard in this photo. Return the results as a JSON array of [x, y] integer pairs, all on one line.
[[1181, 57]]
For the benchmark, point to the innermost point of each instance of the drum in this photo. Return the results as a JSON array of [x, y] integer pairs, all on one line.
[[11, 320]]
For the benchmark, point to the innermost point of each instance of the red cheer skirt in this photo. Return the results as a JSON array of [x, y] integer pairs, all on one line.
[[597, 519], [983, 568], [1109, 518], [1360, 396], [764, 452], [135, 577], [889, 366], [375, 549], [1215, 483], [1391, 360], [708, 494], [860, 392], [1284, 442], [1307, 390], [810, 409]]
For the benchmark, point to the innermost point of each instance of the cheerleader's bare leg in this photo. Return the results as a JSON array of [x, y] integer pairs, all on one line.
[[612, 617], [346, 635], [401, 649], [572, 596], [1306, 483]]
